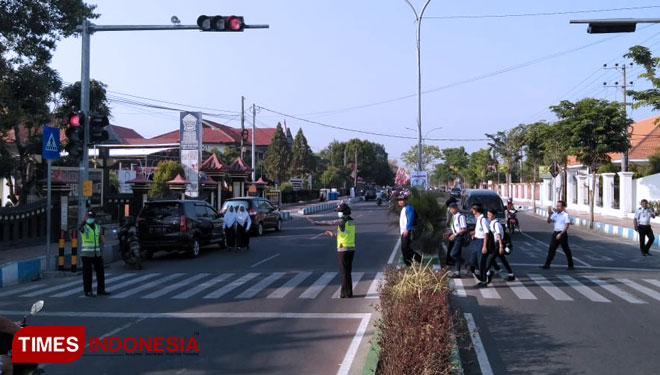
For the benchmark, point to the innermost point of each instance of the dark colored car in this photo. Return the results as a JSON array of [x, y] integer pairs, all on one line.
[[175, 225], [455, 191], [487, 198], [369, 194], [262, 213]]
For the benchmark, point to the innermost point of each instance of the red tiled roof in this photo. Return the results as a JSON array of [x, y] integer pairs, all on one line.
[[207, 180], [213, 164], [125, 133], [177, 180], [239, 166], [139, 179], [644, 141]]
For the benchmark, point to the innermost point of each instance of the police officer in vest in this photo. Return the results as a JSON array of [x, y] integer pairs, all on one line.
[[91, 253], [345, 246]]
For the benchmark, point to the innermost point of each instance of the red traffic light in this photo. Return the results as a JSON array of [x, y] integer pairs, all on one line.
[[234, 23], [74, 120]]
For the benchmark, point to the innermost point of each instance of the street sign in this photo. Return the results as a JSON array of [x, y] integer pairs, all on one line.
[[87, 188], [419, 179], [190, 136], [50, 149]]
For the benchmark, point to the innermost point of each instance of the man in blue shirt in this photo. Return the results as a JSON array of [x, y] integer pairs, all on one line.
[[406, 220]]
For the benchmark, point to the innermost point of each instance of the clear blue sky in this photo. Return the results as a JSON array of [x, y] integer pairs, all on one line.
[[327, 55]]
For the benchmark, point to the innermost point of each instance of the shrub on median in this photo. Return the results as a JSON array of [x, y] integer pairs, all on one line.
[[431, 219], [415, 326]]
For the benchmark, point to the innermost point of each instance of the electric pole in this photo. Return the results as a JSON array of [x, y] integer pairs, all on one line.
[[623, 86], [254, 128], [242, 126], [355, 168]]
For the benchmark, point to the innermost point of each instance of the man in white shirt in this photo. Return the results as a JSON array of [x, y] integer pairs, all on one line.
[[456, 237], [479, 245], [642, 223], [406, 220], [561, 221]]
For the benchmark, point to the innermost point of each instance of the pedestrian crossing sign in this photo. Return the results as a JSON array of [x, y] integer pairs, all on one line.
[[50, 143]]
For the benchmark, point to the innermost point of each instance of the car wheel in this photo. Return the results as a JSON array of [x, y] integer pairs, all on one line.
[[260, 229], [278, 227], [194, 249]]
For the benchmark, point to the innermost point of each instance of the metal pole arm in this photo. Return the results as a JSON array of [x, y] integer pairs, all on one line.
[[94, 28]]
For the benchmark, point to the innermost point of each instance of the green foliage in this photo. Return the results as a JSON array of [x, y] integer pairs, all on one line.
[[442, 174], [608, 168], [165, 170], [70, 99], [285, 186], [334, 177], [430, 154], [373, 164], [431, 217], [302, 158], [228, 154], [651, 97], [479, 165], [508, 146], [455, 158], [114, 182], [276, 161], [652, 168], [533, 139]]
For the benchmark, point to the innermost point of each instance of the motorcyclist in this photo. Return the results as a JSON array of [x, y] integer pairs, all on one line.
[[511, 211]]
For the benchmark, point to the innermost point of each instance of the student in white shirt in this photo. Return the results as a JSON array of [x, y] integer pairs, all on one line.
[[479, 246], [498, 251], [456, 237], [561, 221], [642, 223]]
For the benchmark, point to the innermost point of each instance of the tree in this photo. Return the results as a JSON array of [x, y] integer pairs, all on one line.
[[443, 174], [165, 170], [480, 162], [651, 97], [533, 141], [333, 177], [70, 99], [508, 146], [302, 158], [277, 157], [28, 33], [228, 154], [455, 158], [597, 127], [430, 153]]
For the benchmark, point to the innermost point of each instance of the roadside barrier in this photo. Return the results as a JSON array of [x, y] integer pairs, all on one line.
[[74, 251], [318, 208], [60, 257]]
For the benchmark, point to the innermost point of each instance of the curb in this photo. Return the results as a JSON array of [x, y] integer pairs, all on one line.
[[373, 357], [285, 215], [27, 270], [609, 229], [317, 208]]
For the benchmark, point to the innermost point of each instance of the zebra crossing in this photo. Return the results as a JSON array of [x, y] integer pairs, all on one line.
[[563, 288], [302, 285]]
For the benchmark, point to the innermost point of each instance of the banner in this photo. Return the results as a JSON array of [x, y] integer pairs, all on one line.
[[191, 149]]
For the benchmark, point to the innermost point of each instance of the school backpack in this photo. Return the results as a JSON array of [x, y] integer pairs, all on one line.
[[508, 244]]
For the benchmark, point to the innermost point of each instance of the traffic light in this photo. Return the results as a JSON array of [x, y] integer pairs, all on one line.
[[221, 23], [75, 133], [611, 27], [97, 132]]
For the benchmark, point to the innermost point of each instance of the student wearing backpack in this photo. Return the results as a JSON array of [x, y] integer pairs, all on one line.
[[406, 224], [498, 251], [479, 246]]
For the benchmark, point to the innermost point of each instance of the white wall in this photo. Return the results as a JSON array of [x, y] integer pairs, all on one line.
[[647, 188]]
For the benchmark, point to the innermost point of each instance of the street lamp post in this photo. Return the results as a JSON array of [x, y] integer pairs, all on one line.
[[418, 19]]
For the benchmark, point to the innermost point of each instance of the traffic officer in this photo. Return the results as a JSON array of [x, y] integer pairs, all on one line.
[[91, 253], [456, 238], [642, 223], [345, 246], [561, 221]]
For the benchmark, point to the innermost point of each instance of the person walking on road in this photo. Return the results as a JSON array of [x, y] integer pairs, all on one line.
[[479, 246], [456, 237], [229, 225], [498, 252], [406, 220], [92, 256], [345, 235], [642, 223], [561, 221], [243, 224]]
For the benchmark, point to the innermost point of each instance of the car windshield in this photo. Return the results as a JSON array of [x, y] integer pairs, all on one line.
[[160, 211], [236, 204], [487, 202]]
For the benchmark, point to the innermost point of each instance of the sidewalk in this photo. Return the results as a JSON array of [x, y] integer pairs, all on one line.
[[605, 224]]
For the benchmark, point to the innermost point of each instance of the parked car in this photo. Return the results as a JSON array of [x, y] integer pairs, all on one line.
[[487, 198], [369, 194], [262, 213], [174, 225], [455, 191]]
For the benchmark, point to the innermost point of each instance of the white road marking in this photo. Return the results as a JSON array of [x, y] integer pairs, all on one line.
[[641, 288], [231, 286], [489, 292], [265, 260], [457, 287], [261, 285], [318, 285], [355, 277], [146, 286], [549, 288], [373, 288], [544, 244], [80, 289], [615, 290], [317, 236], [355, 344], [132, 281], [478, 345], [192, 315], [21, 290], [285, 289], [653, 282], [583, 289], [53, 288], [177, 285], [593, 267], [394, 251], [205, 285], [520, 290]]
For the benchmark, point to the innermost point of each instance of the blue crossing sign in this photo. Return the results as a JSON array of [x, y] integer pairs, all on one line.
[[50, 149]]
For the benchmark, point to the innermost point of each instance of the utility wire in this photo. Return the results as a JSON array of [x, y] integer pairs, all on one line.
[[542, 14]]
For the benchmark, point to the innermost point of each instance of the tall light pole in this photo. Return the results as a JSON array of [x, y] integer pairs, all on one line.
[[418, 19]]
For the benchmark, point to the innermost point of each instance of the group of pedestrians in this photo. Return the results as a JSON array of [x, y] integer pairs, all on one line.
[[236, 224]]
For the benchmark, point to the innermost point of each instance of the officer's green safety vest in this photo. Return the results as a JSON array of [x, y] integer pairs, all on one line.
[[346, 239], [91, 239]]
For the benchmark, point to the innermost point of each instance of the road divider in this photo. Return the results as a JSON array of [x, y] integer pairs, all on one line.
[[318, 208]]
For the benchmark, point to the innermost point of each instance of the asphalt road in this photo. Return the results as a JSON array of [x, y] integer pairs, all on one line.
[[269, 310], [598, 319]]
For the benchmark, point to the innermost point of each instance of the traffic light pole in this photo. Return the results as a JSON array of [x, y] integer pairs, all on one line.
[[87, 29]]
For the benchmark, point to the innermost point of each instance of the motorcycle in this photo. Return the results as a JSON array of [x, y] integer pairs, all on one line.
[[129, 244], [512, 222], [6, 341], [379, 201]]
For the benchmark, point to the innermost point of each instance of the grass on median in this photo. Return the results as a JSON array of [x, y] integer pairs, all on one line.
[[416, 336]]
